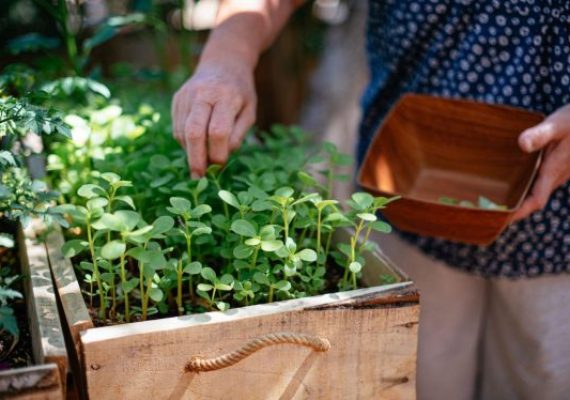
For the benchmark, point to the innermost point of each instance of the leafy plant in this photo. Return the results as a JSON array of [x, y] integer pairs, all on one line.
[[247, 233]]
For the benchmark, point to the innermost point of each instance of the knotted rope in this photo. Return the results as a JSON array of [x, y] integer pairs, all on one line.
[[200, 364]]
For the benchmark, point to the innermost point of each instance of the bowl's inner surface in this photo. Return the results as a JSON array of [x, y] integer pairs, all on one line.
[[430, 147]]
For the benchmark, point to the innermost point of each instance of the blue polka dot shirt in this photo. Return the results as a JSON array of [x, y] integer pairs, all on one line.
[[513, 52]]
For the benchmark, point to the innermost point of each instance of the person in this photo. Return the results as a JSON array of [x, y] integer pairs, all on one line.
[[481, 335]]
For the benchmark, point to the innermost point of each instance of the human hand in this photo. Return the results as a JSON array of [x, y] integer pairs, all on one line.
[[212, 112], [552, 135]]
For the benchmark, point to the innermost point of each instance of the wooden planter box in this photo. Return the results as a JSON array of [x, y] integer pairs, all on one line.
[[364, 345], [46, 379]]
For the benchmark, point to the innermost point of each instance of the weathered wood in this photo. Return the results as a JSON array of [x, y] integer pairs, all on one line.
[[31, 383], [373, 333], [372, 356], [76, 313], [45, 326]]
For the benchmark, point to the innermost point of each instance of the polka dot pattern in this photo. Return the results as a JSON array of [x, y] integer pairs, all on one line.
[[513, 52]]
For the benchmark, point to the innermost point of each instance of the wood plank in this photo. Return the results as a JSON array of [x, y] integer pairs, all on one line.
[[75, 310], [31, 383], [372, 356], [45, 325]]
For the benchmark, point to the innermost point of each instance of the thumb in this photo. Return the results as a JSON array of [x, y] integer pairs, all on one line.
[[539, 136]]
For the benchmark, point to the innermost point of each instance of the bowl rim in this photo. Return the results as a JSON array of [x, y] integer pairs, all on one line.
[[413, 95]]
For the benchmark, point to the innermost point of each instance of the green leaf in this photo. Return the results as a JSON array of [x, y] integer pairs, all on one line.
[[355, 267], [128, 200], [110, 177], [90, 190], [155, 294], [271, 245], [242, 251], [181, 204], [128, 218], [129, 285], [229, 198], [109, 222], [367, 217], [162, 225], [161, 181], [208, 273], [286, 192], [205, 287], [255, 241], [364, 200], [307, 255], [140, 232], [201, 210], [96, 202], [307, 179], [6, 240], [194, 268], [244, 228], [261, 278], [113, 250], [222, 305], [71, 248], [381, 226], [205, 230], [283, 286], [202, 185]]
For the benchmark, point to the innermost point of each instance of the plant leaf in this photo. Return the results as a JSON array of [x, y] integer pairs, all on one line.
[[244, 228], [229, 198], [113, 250]]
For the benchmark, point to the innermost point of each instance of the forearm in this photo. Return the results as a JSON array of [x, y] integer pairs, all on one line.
[[245, 28]]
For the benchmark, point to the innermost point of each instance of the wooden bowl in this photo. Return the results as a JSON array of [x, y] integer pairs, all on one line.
[[430, 147]]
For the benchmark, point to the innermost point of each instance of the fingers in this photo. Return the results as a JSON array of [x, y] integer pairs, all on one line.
[[220, 128], [195, 138], [244, 121], [179, 109], [539, 136], [549, 178]]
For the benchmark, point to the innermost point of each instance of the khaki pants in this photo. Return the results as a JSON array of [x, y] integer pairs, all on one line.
[[487, 339]]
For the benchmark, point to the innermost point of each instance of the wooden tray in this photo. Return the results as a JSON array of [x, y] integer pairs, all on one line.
[[430, 147]]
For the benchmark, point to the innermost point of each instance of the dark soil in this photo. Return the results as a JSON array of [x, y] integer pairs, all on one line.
[[21, 355]]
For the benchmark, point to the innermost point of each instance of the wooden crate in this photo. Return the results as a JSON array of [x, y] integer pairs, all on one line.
[[46, 379], [372, 334]]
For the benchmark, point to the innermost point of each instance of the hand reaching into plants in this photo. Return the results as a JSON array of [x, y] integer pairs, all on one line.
[[552, 135], [213, 110]]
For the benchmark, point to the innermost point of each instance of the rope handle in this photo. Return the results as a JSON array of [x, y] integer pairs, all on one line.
[[202, 364]]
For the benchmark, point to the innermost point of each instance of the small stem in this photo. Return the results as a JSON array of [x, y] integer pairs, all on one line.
[[285, 224], [123, 283], [366, 236], [146, 298], [270, 297], [328, 246], [353, 280], [102, 301], [318, 234], [254, 257], [179, 287], [213, 297]]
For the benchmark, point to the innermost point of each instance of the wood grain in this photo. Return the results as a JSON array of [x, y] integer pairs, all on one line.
[[429, 147], [39, 382], [372, 356], [68, 288], [45, 325]]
